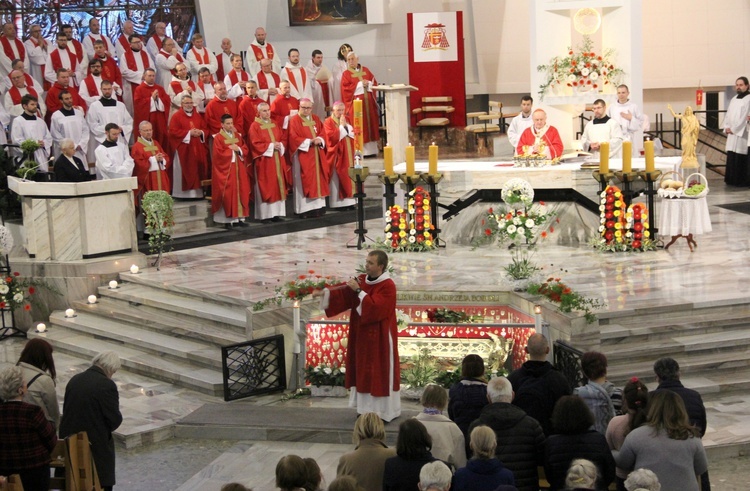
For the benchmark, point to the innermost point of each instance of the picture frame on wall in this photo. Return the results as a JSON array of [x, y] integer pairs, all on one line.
[[327, 12]]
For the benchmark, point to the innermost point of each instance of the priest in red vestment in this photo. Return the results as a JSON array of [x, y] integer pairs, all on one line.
[[372, 366], [188, 140], [284, 105], [230, 186], [151, 103], [339, 136], [248, 106], [310, 169], [151, 162], [53, 95], [540, 138], [220, 105], [273, 176], [356, 83]]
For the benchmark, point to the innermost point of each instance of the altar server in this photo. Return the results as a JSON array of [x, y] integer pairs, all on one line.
[[69, 123], [230, 184], [626, 113], [519, 124], [735, 127], [103, 111], [320, 83], [600, 129], [63, 82], [91, 87], [28, 126], [271, 171], [113, 161]]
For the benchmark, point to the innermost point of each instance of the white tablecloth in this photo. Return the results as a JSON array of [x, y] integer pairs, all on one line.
[[684, 216]]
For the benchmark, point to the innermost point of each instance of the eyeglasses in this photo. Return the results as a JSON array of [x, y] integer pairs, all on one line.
[[305, 107]]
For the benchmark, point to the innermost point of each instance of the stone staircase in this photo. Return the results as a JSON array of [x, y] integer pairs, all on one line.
[[192, 218], [174, 336], [711, 344]]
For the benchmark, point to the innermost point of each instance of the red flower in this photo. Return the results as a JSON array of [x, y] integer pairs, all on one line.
[[552, 230], [302, 277], [610, 199], [557, 220], [27, 307], [491, 211], [311, 271], [544, 235], [570, 52], [595, 86], [588, 65], [637, 244], [16, 273], [638, 227], [31, 290], [609, 215], [487, 232], [599, 58], [2, 305], [610, 224], [8, 279], [542, 203], [609, 235], [610, 190], [637, 235], [483, 221], [292, 294], [420, 238]]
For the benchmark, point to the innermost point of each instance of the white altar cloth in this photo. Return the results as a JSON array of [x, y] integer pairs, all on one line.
[[683, 216]]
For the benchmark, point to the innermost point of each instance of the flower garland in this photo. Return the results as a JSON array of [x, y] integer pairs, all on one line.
[[517, 191], [638, 234], [612, 221], [16, 293], [568, 300], [410, 230], [303, 286]]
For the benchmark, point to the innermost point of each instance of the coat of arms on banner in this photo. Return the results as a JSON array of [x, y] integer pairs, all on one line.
[[435, 37]]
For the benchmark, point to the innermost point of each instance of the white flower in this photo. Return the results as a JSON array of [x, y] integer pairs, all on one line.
[[521, 230], [593, 75], [18, 297], [4, 289], [529, 223], [604, 194], [411, 211], [388, 235], [601, 208], [413, 232], [629, 234], [316, 369], [327, 371], [585, 71], [412, 239], [571, 78], [501, 224], [601, 228], [517, 221], [511, 229], [342, 369], [603, 220]]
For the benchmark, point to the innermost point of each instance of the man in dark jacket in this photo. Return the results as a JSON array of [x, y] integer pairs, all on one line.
[[92, 404], [520, 439], [537, 384], [667, 372]]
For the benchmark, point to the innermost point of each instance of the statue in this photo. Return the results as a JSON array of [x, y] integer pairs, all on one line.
[[690, 129]]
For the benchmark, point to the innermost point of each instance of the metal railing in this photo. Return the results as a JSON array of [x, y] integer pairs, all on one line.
[[567, 360], [253, 367]]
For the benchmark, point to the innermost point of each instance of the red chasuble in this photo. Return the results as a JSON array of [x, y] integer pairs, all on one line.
[[340, 155], [142, 111], [216, 108], [314, 168], [248, 111], [372, 336], [282, 107], [53, 99], [273, 173], [194, 155], [349, 80], [551, 139], [110, 71], [149, 181], [230, 186]]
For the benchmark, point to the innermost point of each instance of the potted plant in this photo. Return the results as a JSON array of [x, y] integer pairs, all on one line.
[[416, 373], [326, 380], [29, 166], [157, 210]]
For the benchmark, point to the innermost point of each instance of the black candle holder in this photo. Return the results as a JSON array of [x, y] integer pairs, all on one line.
[[650, 177], [410, 181], [603, 179], [389, 188], [359, 175]]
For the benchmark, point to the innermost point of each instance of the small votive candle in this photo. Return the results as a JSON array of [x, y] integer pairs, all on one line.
[[134, 269], [92, 299], [112, 285], [70, 313], [41, 327]]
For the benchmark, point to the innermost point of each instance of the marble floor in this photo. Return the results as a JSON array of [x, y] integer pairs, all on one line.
[[714, 274]]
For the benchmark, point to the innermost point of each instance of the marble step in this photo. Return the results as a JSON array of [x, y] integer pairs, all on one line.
[[157, 344], [616, 333], [180, 302], [675, 313], [180, 326], [191, 209], [205, 380], [194, 295]]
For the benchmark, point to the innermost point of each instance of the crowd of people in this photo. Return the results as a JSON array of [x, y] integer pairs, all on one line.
[[176, 118]]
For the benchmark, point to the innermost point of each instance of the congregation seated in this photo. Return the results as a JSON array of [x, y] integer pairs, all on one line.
[[642, 480], [413, 447], [484, 471], [447, 439], [435, 476], [581, 476], [367, 462]]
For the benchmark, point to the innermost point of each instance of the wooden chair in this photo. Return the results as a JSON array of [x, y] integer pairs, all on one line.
[[438, 106], [486, 126], [74, 455], [206, 185]]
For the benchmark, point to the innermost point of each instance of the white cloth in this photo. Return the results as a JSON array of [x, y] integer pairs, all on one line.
[[194, 65], [37, 57], [4, 121], [253, 66], [90, 98], [235, 91], [606, 132], [271, 84], [319, 106], [683, 216], [628, 128], [33, 129], [736, 120], [517, 126], [73, 127], [164, 67], [15, 110], [6, 63], [299, 81], [176, 97], [98, 117], [208, 93], [65, 58], [113, 162], [223, 61], [338, 71], [130, 77], [88, 44]]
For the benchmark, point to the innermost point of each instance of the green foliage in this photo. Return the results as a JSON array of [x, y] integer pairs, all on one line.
[[421, 369], [325, 375], [557, 291], [157, 210]]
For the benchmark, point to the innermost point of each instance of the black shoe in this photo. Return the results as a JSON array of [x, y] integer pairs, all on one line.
[[278, 219], [242, 223], [228, 226], [266, 221]]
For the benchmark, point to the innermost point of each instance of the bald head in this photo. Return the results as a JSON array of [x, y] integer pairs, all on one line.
[[537, 347]]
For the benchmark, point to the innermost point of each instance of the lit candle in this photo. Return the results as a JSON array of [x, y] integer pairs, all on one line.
[[410, 160], [358, 124], [134, 269], [70, 313], [92, 299], [297, 329], [41, 327], [388, 160], [627, 156], [648, 148], [604, 158], [112, 284], [433, 159]]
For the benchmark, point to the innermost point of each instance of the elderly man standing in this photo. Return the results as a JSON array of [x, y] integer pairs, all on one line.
[[36, 48], [271, 171], [122, 45], [188, 141], [231, 186], [133, 63], [268, 82], [435, 476], [540, 138], [156, 40], [310, 167], [151, 162], [166, 61], [339, 135], [151, 103], [95, 35], [260, 49], [356, 83], [92, 404], [224, 59], [12, 49], [601, 129]]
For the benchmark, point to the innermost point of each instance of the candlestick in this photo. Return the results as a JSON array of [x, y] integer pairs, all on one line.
[[41, 327], [134, 269], [627, 156], [410, 160], [388, 160], [112, 285], [358, 124], [604, 157], [297, 331], [70, 313], [92, 299], [648, 148], [433, 159]]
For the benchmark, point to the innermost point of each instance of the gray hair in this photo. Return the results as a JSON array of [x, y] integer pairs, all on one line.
[[581, 474], [142, 124], [499, 389], [435, 475], [642, 480], [11, 379], [67, 143], [109, 361]]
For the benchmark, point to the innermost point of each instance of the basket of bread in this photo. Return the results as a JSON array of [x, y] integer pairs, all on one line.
[[696, 186], [670, 185]]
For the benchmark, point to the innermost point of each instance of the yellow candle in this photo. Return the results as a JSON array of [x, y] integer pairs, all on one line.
[[388, 160], [648, 148], [433, 159], [410, 160], [604, 158], [358, 126], [627, 156]]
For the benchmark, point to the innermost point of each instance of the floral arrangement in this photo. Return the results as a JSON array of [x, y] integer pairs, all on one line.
[[410, 230], [517, 191], [518, 226], [621, 230], [16, 293], [402, 320], [450, 316], [419, 370], [6, 240], [297, 289], [325, 375], [638, 234], [569, 300], [447, 378], [582, 69], [29, 166], [157, 210]]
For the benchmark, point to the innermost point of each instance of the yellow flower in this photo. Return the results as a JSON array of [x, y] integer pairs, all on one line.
[[426, 234], [619, 240], [402, 234], [618, 203], [646, 233], [426, 202], [618, 194], [617, 213], [402, 226], [428, 243], [618, 225], [645, 225], [618, 233]]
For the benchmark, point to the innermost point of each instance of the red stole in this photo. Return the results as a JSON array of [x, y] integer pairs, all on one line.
[[29, 80], [57, 60], [8, 49], [130, 60], [263, 80], [158, 41], [15, 94], [123, 40], [177, 86], [100, 38], [178, 56], [220, 62], [258, 52], [79, 49], [293, 80], [235, 80], [91, 85], [202, 59]]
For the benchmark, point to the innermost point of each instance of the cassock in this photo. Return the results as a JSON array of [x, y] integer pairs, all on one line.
[[101, 113], [12, 101], [12, 49], [281, 110], [199, 58], [256, 52], [27, 127], [321, 87], [232, 81], [155, 111], [37, 53], [628, 128], [298, 80], [90, 39], [91, 89], [223, 65], [352, 88], [230, 186], [113, 161], [68, 58], [553, 145], [70, 124], [132, 65], [189, 154], [208, 93], [272, 173], [267, 81], [310, 169], [248, 111], [600, 130], [165, 66], [177, 89], [372, 365], [340, 144], [151, 174], [216, 108], [71, 169], [516, 128], [737, 173], [53, 99]]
